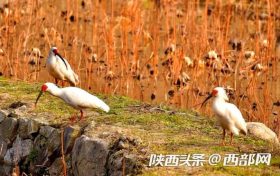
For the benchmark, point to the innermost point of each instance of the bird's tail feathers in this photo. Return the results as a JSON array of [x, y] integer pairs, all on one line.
[[73, 79], [243, 131], [103, 106]]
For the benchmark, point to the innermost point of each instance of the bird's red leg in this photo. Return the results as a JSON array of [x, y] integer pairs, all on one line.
[[62, 83], [56, 80], [73, 118], [231, 138], [82, 115], [224, 137]]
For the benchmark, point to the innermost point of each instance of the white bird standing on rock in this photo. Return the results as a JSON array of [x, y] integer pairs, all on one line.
[[75, 97], [229, 116], [60, 69]]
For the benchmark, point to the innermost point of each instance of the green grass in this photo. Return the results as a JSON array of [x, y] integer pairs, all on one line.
[[162, 132]]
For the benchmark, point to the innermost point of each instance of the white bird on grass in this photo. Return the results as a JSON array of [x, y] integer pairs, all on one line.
[[75, 97], [60, 69], [228, 115]]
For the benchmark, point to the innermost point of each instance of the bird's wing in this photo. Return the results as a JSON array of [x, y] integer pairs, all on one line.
[[66, 70], [72, 77], [59, 57], [81, 99], [236, 117]]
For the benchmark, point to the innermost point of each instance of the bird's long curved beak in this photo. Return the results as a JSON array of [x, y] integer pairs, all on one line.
[[40, 94], [204, 102]]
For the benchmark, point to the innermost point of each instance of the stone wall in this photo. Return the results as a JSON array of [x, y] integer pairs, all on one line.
[[34, 147]]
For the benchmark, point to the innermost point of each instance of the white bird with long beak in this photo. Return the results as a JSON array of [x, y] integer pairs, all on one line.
[[228, 115], [75, 97], [60, 69]]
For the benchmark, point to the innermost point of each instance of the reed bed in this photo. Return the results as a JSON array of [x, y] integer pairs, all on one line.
[[172, 52]]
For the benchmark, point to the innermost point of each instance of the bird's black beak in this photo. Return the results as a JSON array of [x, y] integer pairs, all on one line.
[[40, 94], [204, 102]]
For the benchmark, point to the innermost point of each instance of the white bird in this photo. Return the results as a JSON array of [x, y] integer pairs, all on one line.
[[75, 97], [228, 115], [60, 69]]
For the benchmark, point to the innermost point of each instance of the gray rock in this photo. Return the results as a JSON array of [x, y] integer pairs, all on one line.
[[33, 127], [19, 108], [83, 155], [122, 163], [23, 108], [47, 143], [40, 145], [122, 160], [11, 157], [5, 170], [46, 131], [131, 165], [20, 150], [8, 129], [2, 116], [22, 128], [70, 135], [26, 147], [115, 164], [123, 145], [27, 128], [56, 168], [19, 112], [54, 143], [3, 148], [89, 155], [261, 131], [52, 136]]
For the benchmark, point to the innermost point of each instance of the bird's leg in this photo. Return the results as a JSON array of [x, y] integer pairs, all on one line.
[[82, 115], [231, 138], [224, 137], [56, 80], [62, 83], [73, 118]]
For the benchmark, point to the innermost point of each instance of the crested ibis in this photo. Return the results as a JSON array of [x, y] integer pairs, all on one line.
[[228, 115], [75, 97], [60, 69]]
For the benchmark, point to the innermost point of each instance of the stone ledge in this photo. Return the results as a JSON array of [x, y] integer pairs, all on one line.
[[35, 147]]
